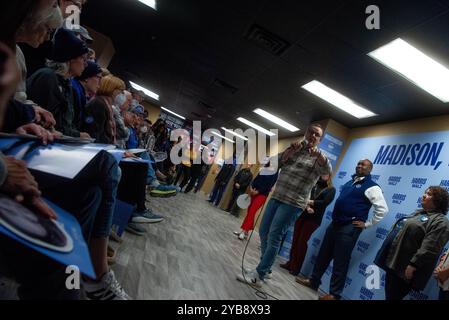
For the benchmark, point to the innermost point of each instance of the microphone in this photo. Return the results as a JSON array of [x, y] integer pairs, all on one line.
[[306, 142]]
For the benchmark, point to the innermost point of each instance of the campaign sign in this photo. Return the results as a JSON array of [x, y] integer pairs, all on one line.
[[404, 166]]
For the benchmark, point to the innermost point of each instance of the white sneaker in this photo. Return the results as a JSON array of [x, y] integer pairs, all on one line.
[[251, 278], [242, 236], [268, 276], [237, 233], [108, 288]]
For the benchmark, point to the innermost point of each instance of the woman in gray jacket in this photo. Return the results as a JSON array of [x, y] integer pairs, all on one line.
[[414, 244]]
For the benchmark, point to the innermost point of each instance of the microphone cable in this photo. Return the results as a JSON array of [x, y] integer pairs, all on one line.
[[258, 291]]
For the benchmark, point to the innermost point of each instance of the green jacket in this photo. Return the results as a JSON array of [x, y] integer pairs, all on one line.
[[54, 93], [419, 243]]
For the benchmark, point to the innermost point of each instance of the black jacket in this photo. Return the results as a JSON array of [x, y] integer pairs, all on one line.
[[225, 173], [97, 121], [243, 178], [321, 197], [54, 93]]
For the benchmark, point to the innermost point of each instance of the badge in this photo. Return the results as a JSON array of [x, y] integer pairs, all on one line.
[[89, 120], [424, 219]]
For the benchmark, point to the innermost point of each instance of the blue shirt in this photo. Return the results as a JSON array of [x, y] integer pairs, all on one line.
[[133, 141]]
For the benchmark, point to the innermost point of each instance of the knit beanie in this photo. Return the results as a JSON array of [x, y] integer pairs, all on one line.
[[67, 46]]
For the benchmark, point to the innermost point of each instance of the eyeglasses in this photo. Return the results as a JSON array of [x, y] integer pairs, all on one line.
[[314, 133]]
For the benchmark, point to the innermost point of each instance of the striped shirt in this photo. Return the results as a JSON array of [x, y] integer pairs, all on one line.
[[298, 175]]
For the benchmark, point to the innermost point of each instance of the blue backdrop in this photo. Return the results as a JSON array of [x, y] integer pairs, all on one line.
[[404, 166]]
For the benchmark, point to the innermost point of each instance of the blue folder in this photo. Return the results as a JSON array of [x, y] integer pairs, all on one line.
[[122, 213], [79, 256]]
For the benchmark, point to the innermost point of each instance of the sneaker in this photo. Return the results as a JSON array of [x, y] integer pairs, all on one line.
[[135, 228], [108, 288], [146, 216], [237, 233], [251, 278], [268, 276], [242, 236], [163, 193]]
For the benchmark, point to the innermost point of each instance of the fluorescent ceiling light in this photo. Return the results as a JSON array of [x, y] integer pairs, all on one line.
[[337, 99], [415, 66], [146, 91], [235, 134], [173, 113], [219, 135], [255, 126], [150, 3], [276, 120]]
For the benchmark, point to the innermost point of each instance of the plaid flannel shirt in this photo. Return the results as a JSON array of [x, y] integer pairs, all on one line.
[[298, 174]]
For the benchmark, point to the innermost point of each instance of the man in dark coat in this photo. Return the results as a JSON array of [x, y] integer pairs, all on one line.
[[221, 181], [241, 183]]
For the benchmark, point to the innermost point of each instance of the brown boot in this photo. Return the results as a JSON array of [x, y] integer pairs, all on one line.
[[327, 297], [285, 266], [305, 283]]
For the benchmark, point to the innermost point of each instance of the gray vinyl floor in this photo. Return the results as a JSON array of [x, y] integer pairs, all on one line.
[[193, 254]]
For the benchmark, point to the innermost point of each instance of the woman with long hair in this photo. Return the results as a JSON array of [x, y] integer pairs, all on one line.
[[99, 121]]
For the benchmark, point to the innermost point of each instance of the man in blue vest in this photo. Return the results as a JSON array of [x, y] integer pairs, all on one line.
[[349, 218]]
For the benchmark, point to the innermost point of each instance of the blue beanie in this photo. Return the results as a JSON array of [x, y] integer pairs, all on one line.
[[67, 46], [138, 110], [90, 71]]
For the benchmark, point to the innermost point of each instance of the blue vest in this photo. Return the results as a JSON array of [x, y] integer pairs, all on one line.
[[352, 204]]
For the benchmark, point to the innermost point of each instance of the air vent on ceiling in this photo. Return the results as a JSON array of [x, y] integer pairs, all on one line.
[[224, 85], [266, 40]]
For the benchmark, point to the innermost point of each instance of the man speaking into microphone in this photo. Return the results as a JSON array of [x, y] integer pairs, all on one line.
[[301, 166]]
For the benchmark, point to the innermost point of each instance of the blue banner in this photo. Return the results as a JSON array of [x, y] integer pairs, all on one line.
[[404, 166], [331, 147]]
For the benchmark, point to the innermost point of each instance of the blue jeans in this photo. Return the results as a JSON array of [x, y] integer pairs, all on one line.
[[338, 243], [47, 279], [104, 172], [277, 218], [444, 295], [217, 192], [151, 174], [101, 173]]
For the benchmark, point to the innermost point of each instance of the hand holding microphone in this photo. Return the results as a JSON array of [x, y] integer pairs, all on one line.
[[314, 151]]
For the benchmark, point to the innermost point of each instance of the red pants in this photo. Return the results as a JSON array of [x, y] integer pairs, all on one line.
[[303, 231], [257, 201]]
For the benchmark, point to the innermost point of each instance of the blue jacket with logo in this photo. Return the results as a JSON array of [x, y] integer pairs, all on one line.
[[352, 204]]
